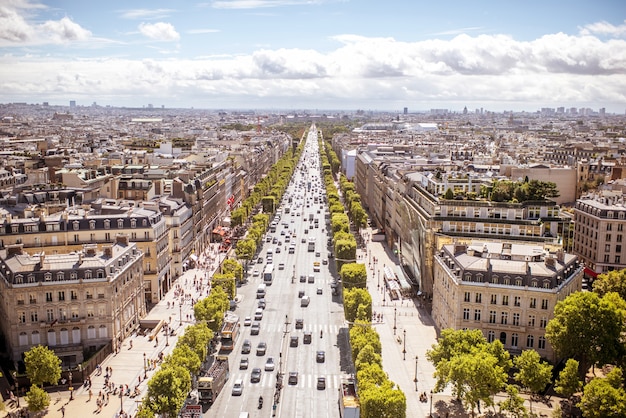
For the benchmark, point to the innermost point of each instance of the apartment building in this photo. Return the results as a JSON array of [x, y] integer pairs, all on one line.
[[507, 290], [600, 223], [74, 301]]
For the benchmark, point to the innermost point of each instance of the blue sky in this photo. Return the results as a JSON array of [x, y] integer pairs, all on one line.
[[315, 54]]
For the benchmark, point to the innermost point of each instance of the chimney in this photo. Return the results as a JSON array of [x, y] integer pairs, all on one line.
[[90, 249], [560, 255], [108, 251], [80, 258], [14, 249], [121, 239], [42, 259], [550, 261]]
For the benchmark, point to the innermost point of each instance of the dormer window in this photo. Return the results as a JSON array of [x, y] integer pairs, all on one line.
[[60, 276], [120, 223], [107, 224], [76, 225], [47, 277], [92, 224], [133, 223]]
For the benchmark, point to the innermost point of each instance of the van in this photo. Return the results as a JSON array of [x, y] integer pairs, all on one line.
[[244, 415], [260, 291], [304, 301], [270, 253]]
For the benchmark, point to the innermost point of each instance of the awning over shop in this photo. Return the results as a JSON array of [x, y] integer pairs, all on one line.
[[591, 273], [193, 257]]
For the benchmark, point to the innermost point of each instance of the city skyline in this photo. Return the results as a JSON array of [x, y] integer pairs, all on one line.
[[328, 54]]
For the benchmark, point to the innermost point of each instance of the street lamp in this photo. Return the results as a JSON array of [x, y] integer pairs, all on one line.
[[180, 312], [145, 367], [415, 379], [395, 311], [17, 388], [379, 279], [71, 388], [121, 399], [404, 349], [167, 336], [431, 404]]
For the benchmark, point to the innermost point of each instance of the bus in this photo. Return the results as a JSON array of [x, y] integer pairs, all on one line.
[[229, 332], [311, 247], [268, 274]]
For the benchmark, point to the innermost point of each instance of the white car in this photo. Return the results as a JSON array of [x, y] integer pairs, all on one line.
[[255, 273], [269, 364], [237, 387], [247, 321]]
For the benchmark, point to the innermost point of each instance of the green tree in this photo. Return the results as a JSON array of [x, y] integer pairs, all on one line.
[[184, 356], [144, 411], [168, 389], [613, 281], [386, 401], [603, 398], [449, 194], [233, 267], [42, 365], [588, 328], [533, 374], [353, 275], [345, 250], [269, 204], [226, 281], [37, 399], [366, 357], [514, 403], [370, 374], [357, 304], [212, 308], [197, 337], [362, 334], [246, 248], [568, 382]]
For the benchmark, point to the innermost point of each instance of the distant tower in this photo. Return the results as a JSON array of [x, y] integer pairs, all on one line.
[[72, 103], [406, 110], [465, 110]]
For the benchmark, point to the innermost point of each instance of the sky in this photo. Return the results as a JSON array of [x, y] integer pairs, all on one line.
[[315, 54]]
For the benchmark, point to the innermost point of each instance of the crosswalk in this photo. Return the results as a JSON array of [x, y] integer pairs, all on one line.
[[305, 381], [315, 329]]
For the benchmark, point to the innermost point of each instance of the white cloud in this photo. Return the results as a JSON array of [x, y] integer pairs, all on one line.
[[361, 72], [604, 28], [261, 4], [146, 14], [64, 30], [201, 31], [159, 31]]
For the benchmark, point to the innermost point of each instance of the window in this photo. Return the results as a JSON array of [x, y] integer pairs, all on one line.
[[76, 226], [48, 296], [133, 223], [76, 238], [34, 316], [492, 317], [516, 319], [607, 248], [61, 296], [514, 340], [62, 314], [517, 301], [541, 343], [73, 295], [505, 300], [32, 298], [47, 277], [609, 227], [92, 224], [73, 275], [107, 224], [530, 341], [74, 312], [494, 279], [620, 227], [533, 303], [504, 318], [466, 314], [120, 223], [107, 236], [21, 317], [466, 297], [546, 284], [618, 259], [88, 294], [518, 281], [619, 238], [479, 297], [50, 315], [543, 322], [491, 335], [87, 274], [531, 320], [494, 299], [477, 313], [544, 303], [608, 237], [90, 312]]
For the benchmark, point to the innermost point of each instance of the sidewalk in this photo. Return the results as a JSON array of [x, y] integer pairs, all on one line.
[[134, 362]]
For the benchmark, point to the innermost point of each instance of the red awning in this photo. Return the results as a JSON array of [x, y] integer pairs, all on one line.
[[591, 273]]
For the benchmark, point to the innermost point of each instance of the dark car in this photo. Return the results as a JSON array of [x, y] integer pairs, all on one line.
[[293, 378], [246, 347], [293, 341], [321, 383], [255, 377], [299, 323], [261, 349], [320, 357], [243, 363], [255, 328]]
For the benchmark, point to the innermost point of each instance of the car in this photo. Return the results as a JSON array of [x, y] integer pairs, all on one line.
[[243, 363], [282, 232], [261, 348], [237, 387], [321, 383], [274, 240], [247, 321], [330, 255], [306, 339], [258, 314], [255, 328], [299, 323], [319, 291], [293, 341], [277, 250], [261, 303], [302, 278], [325, 261], [293, 378], [303, 240], [317, 254], [246, 347], [259, 260], [269, 364], [320, 356], [300, 293], [255, 376], [255, 273], [268, 238], [304, 301], [281, 266]]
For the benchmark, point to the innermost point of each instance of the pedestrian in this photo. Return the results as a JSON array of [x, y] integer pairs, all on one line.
[[63, 411], [90, 395]]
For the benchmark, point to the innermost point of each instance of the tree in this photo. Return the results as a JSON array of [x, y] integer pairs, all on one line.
[[144, 411], [588, 328], [366, 357], [226, 281], [355, 298], [370, 374], [604, 398], [246, 248], [533, 374], [353, 275], [345, 250], [168, 389], [613, 281], [233, 267], [184, 356], [362, 334], [212, 308], [386, 401], [37, 399], [42, 365], [449, 195], [514, 404], [197, 337], [568, 382]]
